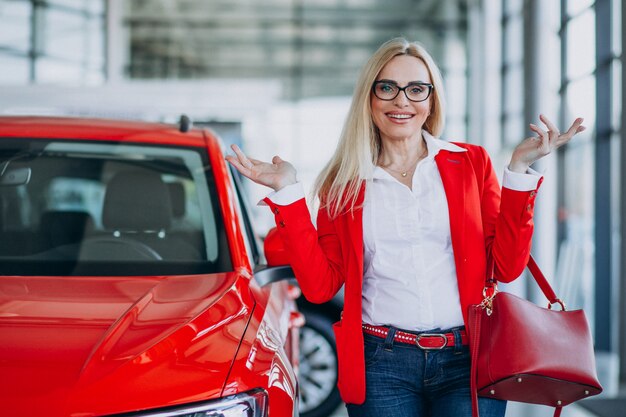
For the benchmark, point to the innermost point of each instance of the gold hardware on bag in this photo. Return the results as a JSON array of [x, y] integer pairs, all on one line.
[[487, 303]]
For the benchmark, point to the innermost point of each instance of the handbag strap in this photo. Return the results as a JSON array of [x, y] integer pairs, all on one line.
[[536, 273], [541, 280]]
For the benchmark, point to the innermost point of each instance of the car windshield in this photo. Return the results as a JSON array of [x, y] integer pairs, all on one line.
[[100, 208]]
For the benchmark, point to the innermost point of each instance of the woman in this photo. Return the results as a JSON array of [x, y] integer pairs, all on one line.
[[406, 222]]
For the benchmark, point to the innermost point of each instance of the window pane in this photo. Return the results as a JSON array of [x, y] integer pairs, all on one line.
[[15, 25], [581, 47], [576, 6], [577, 216], [72, 4], [514, 130], [71, 43], [64, 35], [512, 6], [616, 14], [94, 7], [15, 70], [94, 41], [581, 102], [513, 90], [54, 71], [456, 86], [513, 49]]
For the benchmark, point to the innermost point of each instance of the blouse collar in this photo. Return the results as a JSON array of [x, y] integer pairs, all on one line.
[[433, 144]]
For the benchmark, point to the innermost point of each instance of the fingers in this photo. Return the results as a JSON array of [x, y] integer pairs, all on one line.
[[541, 134], [576, 127], [242, 166], [553, 135], [243, 159], [243, 170], [553, 132], [241, 162]]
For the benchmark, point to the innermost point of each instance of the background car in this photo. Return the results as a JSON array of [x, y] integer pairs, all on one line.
[[130, 278], [319, 395]]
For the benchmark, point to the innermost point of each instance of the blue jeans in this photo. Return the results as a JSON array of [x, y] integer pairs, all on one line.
[[402, 380]]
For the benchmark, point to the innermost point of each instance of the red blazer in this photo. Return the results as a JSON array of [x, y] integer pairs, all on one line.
[[483, 219]]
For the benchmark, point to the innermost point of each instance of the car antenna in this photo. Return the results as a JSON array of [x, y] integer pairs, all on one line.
[[184, 123]]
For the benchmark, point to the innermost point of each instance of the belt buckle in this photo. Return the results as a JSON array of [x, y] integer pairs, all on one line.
[[442, 336]]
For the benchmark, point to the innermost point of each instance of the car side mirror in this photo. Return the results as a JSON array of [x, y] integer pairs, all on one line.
[[278, 267], [275, 251]]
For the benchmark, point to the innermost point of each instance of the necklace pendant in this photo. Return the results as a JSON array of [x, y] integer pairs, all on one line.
[[403, 174]]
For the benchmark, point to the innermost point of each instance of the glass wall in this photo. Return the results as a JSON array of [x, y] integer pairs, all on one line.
[[564, 58], [513, 123], [577, 160], [315, 48], [52, 42]]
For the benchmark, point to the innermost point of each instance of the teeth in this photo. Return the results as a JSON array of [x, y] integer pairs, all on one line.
[[401, 116]]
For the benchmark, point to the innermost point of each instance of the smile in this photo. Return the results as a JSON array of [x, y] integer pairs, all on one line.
[[400, 115]]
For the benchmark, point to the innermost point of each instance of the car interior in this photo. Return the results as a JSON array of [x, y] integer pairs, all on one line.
[[92, 207]]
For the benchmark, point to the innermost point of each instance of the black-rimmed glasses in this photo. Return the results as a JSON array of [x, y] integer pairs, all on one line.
[[389, 90]]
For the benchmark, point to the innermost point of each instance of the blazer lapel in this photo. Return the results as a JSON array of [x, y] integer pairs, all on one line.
[[354, 223], [453, 170], [350, 229], [350, 232]]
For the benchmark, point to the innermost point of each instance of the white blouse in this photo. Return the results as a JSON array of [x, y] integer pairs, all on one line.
[[409, 276]]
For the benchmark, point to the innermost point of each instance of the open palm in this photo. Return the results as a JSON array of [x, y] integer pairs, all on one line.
[[276, 174]]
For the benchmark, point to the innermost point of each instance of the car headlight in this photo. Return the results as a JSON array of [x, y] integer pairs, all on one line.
[[249, 404]]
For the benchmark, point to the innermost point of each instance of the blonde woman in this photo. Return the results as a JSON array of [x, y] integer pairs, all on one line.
[[406, 223]]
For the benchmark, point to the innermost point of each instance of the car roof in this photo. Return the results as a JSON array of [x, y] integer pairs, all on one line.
[[100, 129]]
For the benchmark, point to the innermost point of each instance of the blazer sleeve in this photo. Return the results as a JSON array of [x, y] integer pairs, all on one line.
[[507, 217], [315, 255]]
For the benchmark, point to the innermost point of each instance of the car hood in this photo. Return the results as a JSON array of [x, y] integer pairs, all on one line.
[[99, 345]]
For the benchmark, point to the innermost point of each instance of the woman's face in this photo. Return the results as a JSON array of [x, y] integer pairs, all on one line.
[[401, 118]]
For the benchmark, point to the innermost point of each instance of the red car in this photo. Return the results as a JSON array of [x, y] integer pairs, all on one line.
[[130, 282]]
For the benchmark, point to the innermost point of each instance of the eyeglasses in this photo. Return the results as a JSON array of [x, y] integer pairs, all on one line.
[[389, 90]]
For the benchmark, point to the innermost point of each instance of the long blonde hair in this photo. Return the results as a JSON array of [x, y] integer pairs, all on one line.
[[359, 146]]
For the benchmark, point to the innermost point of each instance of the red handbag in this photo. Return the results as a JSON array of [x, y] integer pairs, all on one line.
[[526, 353]]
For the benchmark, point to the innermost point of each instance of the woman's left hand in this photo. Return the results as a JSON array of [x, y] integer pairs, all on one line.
[[534, 148]]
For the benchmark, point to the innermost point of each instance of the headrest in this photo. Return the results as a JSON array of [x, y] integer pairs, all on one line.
[[65, 227], [137, 201]]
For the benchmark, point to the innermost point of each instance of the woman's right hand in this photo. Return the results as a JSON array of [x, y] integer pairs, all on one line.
[[276, 175]]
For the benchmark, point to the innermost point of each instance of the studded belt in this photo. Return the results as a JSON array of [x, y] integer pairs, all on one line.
[[426, 341]]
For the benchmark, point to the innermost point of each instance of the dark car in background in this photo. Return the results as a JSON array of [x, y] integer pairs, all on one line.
[[319, 395]]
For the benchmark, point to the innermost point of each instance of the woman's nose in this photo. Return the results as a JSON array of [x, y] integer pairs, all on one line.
[[401, 99]]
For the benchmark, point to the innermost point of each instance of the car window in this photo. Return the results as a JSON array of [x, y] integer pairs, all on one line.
[[252, 238], [88, 208]]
